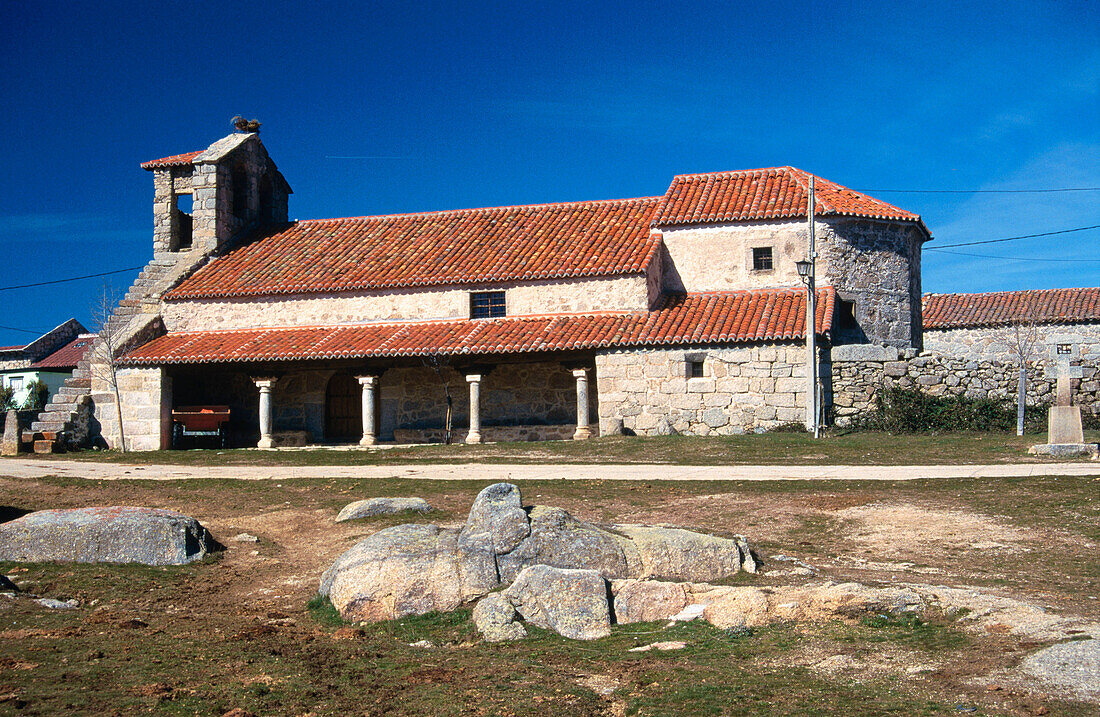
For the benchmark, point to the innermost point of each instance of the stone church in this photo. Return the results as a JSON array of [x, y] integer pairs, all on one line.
[[677, 313]]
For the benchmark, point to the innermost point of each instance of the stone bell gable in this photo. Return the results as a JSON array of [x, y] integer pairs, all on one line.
[[233, 186]]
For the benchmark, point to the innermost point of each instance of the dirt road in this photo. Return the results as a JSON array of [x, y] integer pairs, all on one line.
[[33, 468]]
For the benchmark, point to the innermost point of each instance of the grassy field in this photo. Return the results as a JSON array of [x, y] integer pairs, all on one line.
[[837, 447], [243, 630]]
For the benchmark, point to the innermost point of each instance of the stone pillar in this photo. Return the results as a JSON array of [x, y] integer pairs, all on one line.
[[582, 431], [370, 431], [265, 385], [474, 436]]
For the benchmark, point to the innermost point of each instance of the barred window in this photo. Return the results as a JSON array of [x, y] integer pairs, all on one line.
[[762, 258], [486, 304], [695, 368]]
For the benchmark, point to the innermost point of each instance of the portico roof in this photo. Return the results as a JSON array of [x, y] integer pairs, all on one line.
[[682, 319]]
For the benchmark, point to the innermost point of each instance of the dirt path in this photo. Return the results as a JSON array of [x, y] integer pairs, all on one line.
[[32, 468]]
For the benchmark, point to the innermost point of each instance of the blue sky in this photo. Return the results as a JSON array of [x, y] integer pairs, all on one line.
[[396, 107]]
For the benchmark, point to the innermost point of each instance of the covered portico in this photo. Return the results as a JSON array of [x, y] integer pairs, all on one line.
[[404, 400]]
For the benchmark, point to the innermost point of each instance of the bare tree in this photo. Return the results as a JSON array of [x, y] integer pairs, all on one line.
[[103, 358], [439, 364], [1023, 338]]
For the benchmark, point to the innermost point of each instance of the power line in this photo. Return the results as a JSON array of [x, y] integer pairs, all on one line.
[[26, 331], [74, 278], [1009, 258], [986, 191], [1022, 236]]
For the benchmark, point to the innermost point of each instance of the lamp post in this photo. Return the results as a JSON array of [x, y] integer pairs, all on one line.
[[806, 274]]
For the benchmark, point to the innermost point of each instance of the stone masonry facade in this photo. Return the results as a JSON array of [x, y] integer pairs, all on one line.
[[742, 390], [530, 297], [875, 265]]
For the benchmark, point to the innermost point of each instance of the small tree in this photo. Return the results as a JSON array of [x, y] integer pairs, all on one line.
[[103, 359], [439, 364], [7, 398], [37, 393], [1023, 339]]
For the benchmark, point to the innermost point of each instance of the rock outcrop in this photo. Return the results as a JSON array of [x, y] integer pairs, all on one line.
[[572, 603], [116, 534], [372, 507], [495, 618], [409, 570], [725, 606], [413, 569]]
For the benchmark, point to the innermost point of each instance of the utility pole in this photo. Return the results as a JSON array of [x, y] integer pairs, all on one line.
[[811, 321]]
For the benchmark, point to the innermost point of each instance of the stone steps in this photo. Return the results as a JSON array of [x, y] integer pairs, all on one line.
[[55, 422]]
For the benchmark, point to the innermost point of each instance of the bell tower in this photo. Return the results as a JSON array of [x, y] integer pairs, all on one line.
[[201, 200]]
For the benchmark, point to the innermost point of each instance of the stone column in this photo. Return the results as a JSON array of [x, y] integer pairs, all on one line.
[[265, 385], [582, 431], [474, 436], [370, 431]]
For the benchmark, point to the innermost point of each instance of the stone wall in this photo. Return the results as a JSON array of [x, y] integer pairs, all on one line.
[[874, 264], [743, 389], [533, 297], [146, 397], [858, 373], [999, 343]]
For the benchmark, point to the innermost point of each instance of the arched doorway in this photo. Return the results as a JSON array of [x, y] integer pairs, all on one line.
[[343, 409]]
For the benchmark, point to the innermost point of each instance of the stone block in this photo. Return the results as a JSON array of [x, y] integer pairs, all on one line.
[[1064, 425], [789, 385], [895, 368], [779, 399], [864, 352], [715, 417], [927, 380], [700, 385], [786, 415]]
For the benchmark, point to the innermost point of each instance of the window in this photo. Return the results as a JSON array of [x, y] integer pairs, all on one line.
[[184, 221], [762, 258], [695, 368], [1065, 349], [486, 304], [16, 383]]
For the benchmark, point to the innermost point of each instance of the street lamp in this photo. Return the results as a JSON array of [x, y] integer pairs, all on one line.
[[806, 274]]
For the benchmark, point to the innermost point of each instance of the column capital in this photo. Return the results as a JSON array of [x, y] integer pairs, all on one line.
[[474, 377], [580, 373], [367, 380], [262, 383]]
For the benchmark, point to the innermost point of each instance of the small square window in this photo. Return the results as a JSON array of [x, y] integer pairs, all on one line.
[[16, 383], [762, 258], [695, 368], [1065, 349], [486, 304]]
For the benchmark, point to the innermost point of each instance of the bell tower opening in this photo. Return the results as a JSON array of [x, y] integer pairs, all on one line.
[[184, 225]]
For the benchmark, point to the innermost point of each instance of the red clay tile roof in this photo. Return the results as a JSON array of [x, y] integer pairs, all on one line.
[[12, 348], [176, 160], [1049, 306], [706, 318], [69, 355], [773, 193], [435, 248]]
